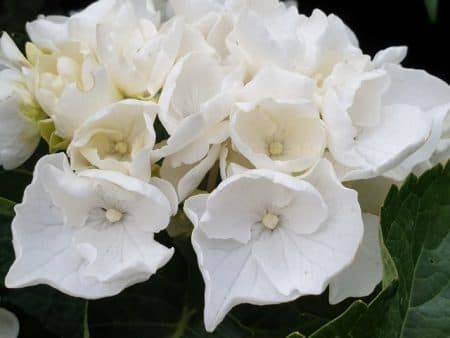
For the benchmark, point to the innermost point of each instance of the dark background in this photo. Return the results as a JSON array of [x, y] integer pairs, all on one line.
[[377, 23]]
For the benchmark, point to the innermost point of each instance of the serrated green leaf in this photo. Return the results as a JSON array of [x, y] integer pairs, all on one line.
[[432, 9]]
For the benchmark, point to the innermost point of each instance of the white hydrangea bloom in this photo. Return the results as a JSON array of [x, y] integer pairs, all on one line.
[[118, 138], [9, 324], [19, 135], [264, 237], [70, 86], [128, 38], [276, 128], [89, 236], [195, 111]]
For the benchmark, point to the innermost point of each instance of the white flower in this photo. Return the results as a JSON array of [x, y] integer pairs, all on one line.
[[70, 86], [366, 272], [264, 237], [276, 128], [128, 38], [89, 236], [118, 138], [195, 109], [138, 52], [430, 95], [266, 33], [19, 136], [366, 129]]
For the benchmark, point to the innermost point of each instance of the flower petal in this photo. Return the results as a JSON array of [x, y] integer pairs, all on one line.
[[366, 271]]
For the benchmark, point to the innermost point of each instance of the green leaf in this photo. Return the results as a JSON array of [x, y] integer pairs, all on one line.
[[6, 207], [432, 9], [339, 326]]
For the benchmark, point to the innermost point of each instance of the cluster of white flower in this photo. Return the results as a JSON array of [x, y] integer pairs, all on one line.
[[286, 107]]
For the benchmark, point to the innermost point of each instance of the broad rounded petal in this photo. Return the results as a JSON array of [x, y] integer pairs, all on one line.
[[19, 136], [430, 148], [9, 324], [232, 277], [416, 88], [118, 252], [47, 32], [366, 271], [394, 55], [184, 91], [75, 106], [276, 83], [389, 143]]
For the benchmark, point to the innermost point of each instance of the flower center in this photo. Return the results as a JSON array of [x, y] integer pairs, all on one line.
[[113, 215], [270, 221], [121, 148], [276, 148]]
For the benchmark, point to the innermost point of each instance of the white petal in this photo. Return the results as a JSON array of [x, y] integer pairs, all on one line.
[[416, 88], [47, 32], [9, 324], [168, 190], [121, 250], [194, 207], [10, 55], [187, 178], [273, 82], [427, 150], [366, 271], [231, 276], [394, 55], [390, 142], [75, 106], [19, 137]]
